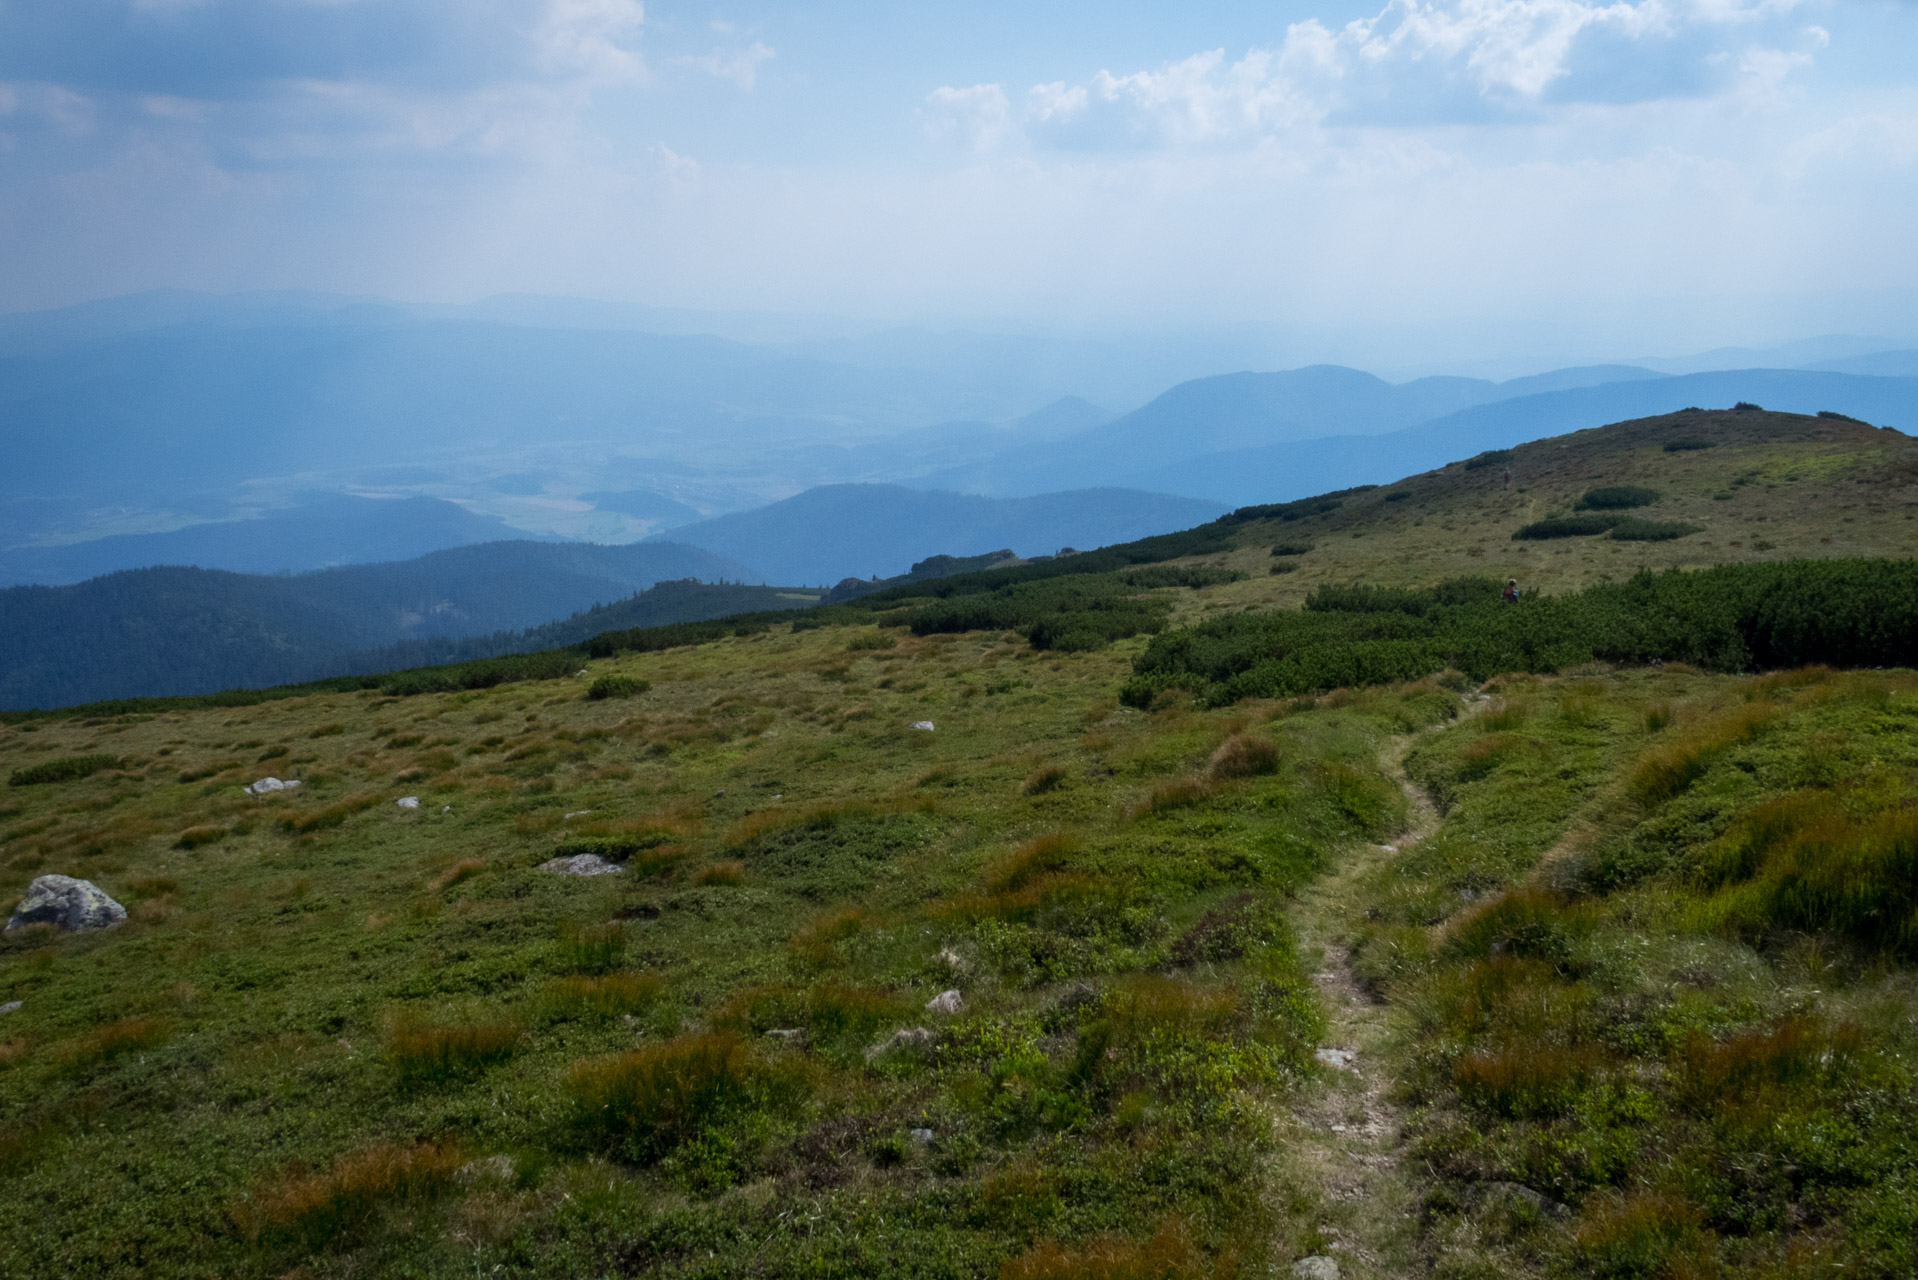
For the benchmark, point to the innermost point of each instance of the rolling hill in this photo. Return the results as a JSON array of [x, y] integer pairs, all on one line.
[[869, 530], [932, 936], [323, 531], [146, 632], [1281, 471]]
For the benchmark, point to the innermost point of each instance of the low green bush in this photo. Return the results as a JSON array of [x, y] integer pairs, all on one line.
[[1784, 614], [1633, 530], [616, 687], [1617, 498], [65, 769], [1566, 527]]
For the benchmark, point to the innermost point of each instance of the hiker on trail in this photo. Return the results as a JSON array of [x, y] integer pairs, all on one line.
[[1511, 591]]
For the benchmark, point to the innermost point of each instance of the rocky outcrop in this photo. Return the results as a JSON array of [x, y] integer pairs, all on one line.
[[73, 905]]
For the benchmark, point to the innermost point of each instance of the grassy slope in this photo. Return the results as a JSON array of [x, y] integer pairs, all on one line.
[[246, 1077]]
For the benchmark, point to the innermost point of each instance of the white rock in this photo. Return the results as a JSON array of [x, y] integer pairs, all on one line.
[[921, 724], [921, 1136], [1340, 1058], [265, 785], [408, 802], [581, 864], [10, 1006], [74, 905], [1317, 1267], [446, 808], [912, 1038], [577, 813], [944, 1002]]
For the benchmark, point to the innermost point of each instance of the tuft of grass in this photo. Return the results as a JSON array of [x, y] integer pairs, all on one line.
[[1019, 867], [1182, 793], [460, 872], [1528, 1081], [1244, 755], [730, 872], [640, 1104], [427, 1055], [65, 769], [116, 1039], [818, 939], [316, 1208], [331, 816], [1658, 717], [1168, 1255], [603, 997], [195, 837], [1642, 1236], [591, 948], [1047, 777], [1666, 770], [873, 641]]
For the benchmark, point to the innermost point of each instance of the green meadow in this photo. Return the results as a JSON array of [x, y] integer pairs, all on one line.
[[1583, 963]]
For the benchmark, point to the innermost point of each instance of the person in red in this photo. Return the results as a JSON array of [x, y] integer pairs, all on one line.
[[1511, 591]]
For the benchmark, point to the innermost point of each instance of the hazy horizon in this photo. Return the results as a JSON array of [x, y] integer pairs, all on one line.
[[1408, 188]]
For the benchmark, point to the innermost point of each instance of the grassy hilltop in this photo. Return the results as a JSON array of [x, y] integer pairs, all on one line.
[[1599, 969]]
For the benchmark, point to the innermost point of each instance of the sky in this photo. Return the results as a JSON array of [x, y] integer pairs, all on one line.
[[1666, 173]]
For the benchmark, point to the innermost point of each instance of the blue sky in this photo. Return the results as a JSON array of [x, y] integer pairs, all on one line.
[[1671, 171]]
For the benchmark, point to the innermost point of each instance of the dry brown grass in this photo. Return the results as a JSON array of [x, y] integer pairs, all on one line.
[[428, 1055], [315, 1208], [461, 871], [1181, 793], [603, 997], [115, 1039], [1047, 777], [1244, 755], [1168, 1255], [195, 837], [1668, 769], [731, 872], [646, 1101]]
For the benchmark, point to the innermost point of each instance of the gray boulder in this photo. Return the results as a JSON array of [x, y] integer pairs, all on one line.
[[74, 905], [1316, 1267], [580, 864]]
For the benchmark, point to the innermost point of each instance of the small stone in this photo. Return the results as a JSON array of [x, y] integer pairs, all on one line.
[[10, 1006], [921, 724], [265, 785], [921, 1136], [577, 813], [911, 1038], [408, 802], [1340, 1058], [944, 1002], [74, 905], [1542, 1204], [446, 808], [1316, 1267], [581, 864]]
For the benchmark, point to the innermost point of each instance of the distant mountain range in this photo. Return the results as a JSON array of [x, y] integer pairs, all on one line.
[[326, 530], [1276, 473], [181, 630], [871, 530]]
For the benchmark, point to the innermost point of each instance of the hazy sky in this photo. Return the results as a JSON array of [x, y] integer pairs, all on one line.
[[1729, 170]]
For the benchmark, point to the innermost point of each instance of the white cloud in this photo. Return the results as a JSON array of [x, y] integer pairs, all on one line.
[[1434, 62], [591, 38], [978, 116], [739, 67]]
